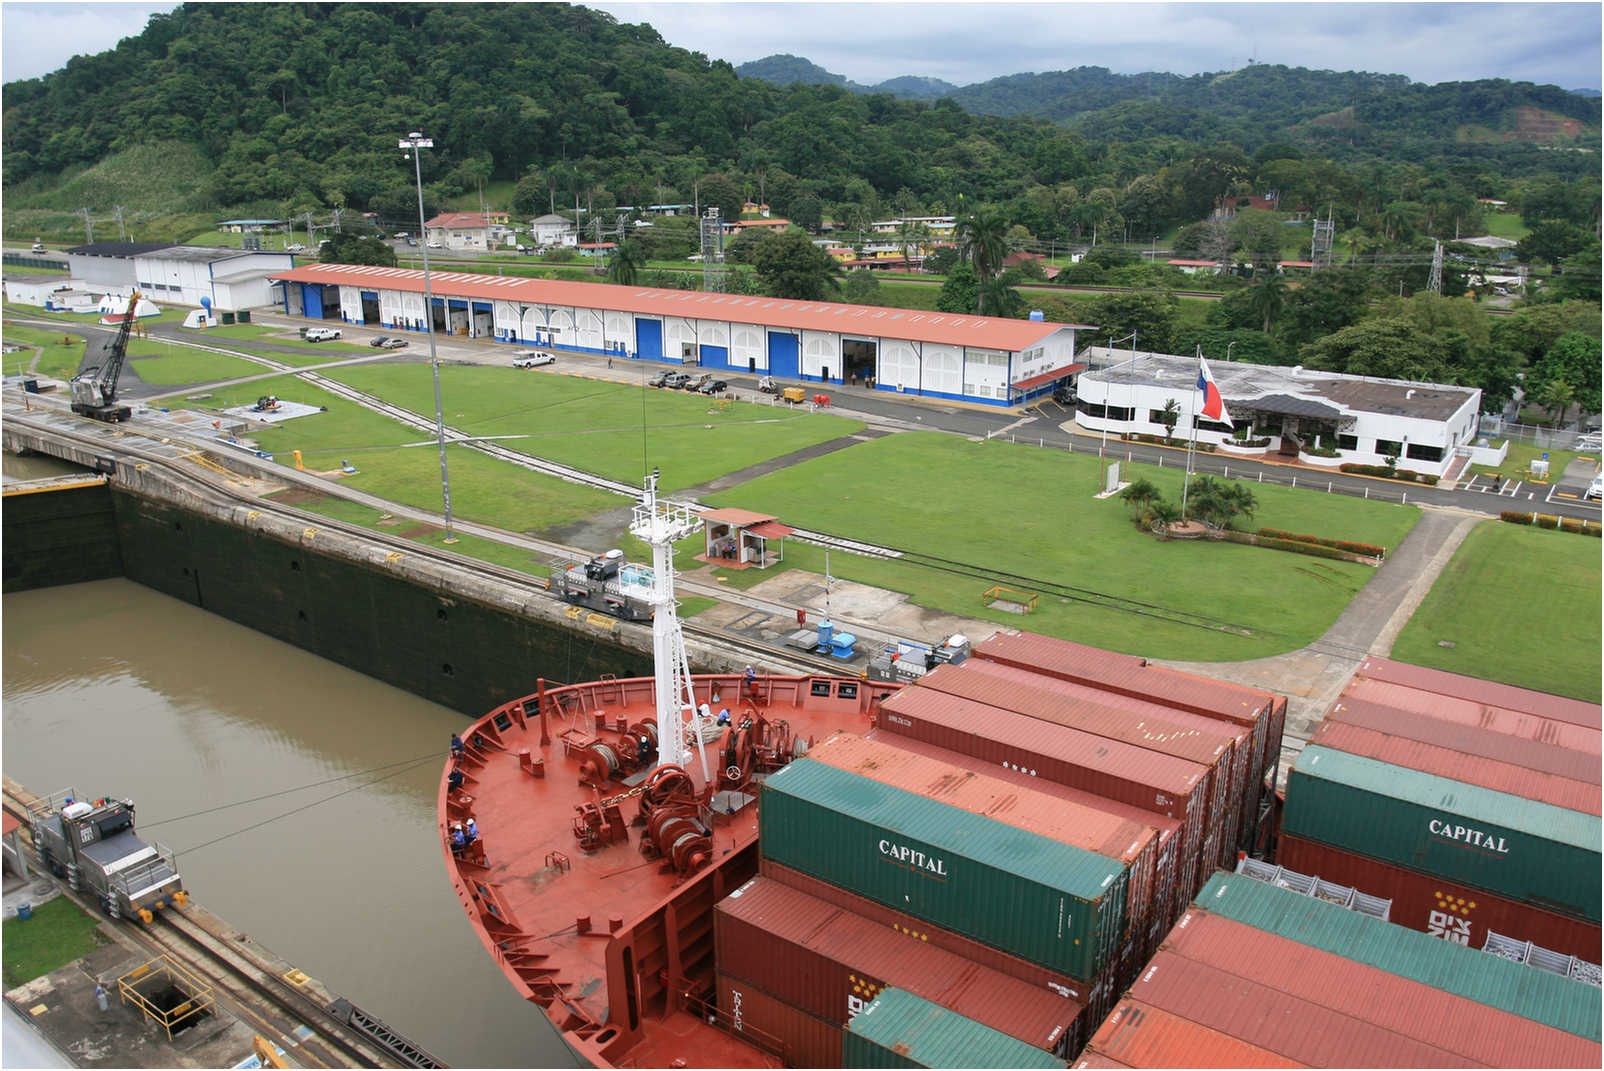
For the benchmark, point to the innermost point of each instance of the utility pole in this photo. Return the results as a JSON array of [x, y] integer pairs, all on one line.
[[414, 142], [122, 232], [89, 227]]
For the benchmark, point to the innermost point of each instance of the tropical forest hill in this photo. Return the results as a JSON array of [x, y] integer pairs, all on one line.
[[278, 110]]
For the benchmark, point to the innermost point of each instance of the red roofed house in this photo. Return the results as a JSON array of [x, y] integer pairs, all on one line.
[[458, 230], [1050, 270], [739, 539]]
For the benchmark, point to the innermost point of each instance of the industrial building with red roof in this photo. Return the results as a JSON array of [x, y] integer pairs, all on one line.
[[914, 351]]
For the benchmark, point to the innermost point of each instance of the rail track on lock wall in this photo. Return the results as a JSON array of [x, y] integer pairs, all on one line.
[[739, 648]]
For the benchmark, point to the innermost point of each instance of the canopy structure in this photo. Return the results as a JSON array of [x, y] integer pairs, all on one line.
[[740, 539]]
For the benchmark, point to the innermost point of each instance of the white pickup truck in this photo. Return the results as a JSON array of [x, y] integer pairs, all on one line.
[[322, 334]]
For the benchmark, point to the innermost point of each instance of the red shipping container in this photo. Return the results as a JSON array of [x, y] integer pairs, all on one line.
[[1470, 739], [1206, 741], [1160, 783], [1543, 704], [1471, 769], [764, 1019], [1132, 844], [983, 954], [1443, 909], [1092, 1059], [1457, 1024], [1469, 712], [1167, 902], [832, 963], [1139, 1035], [1269, 1019]]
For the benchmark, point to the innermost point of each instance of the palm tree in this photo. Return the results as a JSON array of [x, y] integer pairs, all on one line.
[[1556, 396], [1140, 493], [1268, 298], [912, 236], [626, 262], [1158, 515], [982, 242], [997, 298], [1169, 416]]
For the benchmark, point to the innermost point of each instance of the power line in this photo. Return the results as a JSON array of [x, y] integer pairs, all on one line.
[[281, 792]]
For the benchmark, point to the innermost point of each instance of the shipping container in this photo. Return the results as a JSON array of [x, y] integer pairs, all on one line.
[[1521, 849], [1297, 1029], [1469, 712], [1457, 766], [1449, 910], [1543, 704], [830, 963], [901, 1030], [1167, 899], [1129, 843], [1537, 995], [1207, 741], [1140, 1035], [1472, 1031], [1031, 973], [1092, 1059], [769, 1023], [1159, 783], [1532, 754], [1048, 902]]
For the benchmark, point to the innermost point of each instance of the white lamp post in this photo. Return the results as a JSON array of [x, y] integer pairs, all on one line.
[[413, 142]]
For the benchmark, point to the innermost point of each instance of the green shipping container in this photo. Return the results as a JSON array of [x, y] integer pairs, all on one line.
[[901, 1030], [1492, 980], [1529, 851], [1026, 894]]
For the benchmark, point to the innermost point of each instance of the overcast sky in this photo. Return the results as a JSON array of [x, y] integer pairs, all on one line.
[[1555, 43]]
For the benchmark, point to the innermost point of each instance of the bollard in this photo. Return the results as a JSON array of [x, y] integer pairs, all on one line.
[[1328, 486], [1367, 492], [1294, 481]]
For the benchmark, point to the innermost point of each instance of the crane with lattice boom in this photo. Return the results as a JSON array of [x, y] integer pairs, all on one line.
[[94, 390]]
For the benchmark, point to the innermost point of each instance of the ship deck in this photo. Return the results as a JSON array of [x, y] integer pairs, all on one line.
[[613, 938]]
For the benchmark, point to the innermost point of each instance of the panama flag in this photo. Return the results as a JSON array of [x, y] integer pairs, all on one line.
[[1213, 404]]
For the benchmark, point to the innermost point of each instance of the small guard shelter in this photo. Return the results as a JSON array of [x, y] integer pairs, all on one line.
[[11, 845], [741, 539]]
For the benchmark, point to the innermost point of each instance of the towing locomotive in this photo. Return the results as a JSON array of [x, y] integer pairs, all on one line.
[[92, 844]]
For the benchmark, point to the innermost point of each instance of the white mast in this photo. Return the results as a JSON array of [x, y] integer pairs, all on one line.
[[660, 524]]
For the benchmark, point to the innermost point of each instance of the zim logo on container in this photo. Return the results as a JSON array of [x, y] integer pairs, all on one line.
[[1466, 835], [914, 858]]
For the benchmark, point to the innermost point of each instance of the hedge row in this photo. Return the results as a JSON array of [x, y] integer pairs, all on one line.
[[1159, 440], [1391, 474], [1368, 549], [1543, 520], [1314, 550]]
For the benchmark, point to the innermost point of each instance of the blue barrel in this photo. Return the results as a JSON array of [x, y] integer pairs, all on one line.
[[25, 911], [826, 630]]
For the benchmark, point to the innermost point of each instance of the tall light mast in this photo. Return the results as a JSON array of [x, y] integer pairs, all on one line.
[[660, 524]]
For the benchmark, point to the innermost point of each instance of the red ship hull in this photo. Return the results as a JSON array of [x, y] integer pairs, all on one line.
[[596, 912]]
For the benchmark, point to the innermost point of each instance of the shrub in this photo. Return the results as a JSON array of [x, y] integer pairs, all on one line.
[[1569, 524], [1314, 550], [1321, 451], [1367, 549], [1510, 516], [1245, 441], [1159, 440], [1545, 521], [1389, 473]]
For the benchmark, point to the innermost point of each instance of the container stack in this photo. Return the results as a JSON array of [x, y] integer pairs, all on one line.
[[900, 1030], [1007, 848], [1473, 806], [1259, 976]]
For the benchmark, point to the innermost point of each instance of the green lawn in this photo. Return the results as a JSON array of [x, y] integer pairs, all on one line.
[[1517, 466], [59, 360], [304, 353], [162, 364], [597, 426], [1029, 511], [59, 932], [1505, 225], [1520, 605]]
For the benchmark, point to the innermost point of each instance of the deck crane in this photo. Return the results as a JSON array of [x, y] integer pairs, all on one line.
[[94, 390]]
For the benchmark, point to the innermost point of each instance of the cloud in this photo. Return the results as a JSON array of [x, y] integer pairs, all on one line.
[[40, 38]]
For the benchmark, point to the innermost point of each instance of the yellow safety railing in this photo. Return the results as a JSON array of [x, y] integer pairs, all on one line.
[[167, 993], [1027, 599]]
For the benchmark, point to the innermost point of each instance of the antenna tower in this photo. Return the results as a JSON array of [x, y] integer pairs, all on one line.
[[715, 279], [1325, 231], [1434, 282]]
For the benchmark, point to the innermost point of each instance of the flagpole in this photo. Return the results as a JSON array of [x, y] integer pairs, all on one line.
[[1191, 442]]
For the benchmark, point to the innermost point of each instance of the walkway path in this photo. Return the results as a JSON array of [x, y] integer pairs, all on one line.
[[1313, 676]]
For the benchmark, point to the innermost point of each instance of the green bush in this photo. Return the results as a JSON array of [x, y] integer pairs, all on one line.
[[1570, 524], [1314, 550], [1159, 440], [1321, 451], [1545, 521], [1510, 516], [1389, 473], [1368, 549]]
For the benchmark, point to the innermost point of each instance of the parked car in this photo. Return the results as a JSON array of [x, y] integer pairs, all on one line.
[[1064, 396], [676, 381], [412, 241], [387, 342], [532, 359], [697, 382], [400, 235], [378, 341], [322, 334], [38, 247], [435, 243], [714, 386], [295, 247], [660, 380], [1595, 490]]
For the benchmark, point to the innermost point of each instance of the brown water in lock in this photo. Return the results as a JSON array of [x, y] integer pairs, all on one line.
[[114, 689]]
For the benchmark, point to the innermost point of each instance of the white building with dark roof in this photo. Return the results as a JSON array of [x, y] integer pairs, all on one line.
[[970, 358], [108, 264], [229, 279], [1318, 418]]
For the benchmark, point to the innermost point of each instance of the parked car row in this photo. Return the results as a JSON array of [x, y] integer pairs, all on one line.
[[702, 384], [387, 342]]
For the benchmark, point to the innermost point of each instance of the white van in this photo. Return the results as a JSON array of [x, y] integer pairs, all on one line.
[[322, 334]]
